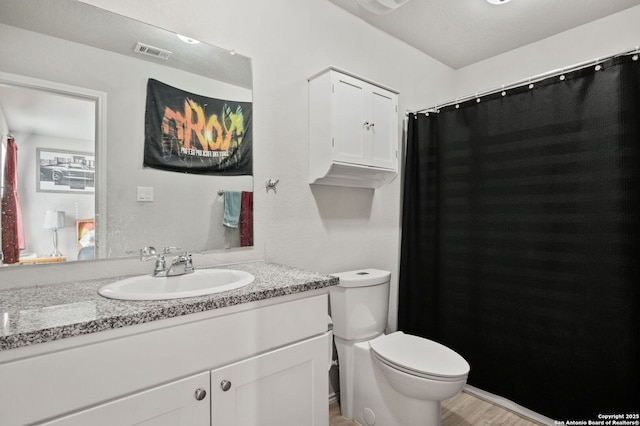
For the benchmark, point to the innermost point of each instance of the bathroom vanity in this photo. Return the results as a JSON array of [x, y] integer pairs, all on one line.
[[258, 355]]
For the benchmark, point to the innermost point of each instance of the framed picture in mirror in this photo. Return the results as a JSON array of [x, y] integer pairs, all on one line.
[[65, 171]]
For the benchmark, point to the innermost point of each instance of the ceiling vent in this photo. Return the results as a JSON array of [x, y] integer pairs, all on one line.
[[381, 7], [156, 52]]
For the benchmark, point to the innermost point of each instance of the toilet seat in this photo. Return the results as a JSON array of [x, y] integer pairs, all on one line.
[[419, 357]]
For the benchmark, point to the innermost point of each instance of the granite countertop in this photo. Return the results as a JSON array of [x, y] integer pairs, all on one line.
[[46, 313]]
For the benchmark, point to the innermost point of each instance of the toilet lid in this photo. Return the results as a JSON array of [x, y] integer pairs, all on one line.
[[419, 356]]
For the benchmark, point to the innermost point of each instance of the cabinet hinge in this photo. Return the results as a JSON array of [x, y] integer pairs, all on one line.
[[333, 142], [333, 88], [396, 108]]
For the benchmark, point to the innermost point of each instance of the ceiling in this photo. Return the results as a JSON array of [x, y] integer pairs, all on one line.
[[46, 113], [462, 32], [85, 24]]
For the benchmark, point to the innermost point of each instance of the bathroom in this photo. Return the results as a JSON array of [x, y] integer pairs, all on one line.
[[324, 228]]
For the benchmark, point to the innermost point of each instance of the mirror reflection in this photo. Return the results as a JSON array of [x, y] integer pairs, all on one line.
[[73, 100]]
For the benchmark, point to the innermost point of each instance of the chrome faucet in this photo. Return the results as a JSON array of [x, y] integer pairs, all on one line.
[[180, 265]]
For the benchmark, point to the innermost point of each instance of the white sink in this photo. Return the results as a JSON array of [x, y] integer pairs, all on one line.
[[199, 283]]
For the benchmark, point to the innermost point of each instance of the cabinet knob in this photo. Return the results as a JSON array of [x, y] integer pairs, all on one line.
[[225, 385], [201, 394]]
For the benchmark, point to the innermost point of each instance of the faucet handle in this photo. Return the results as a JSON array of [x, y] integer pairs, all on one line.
[[170, 250], [188, 262], [160, 265], [148, 253]]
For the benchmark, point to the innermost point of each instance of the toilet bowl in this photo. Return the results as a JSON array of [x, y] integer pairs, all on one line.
[[394, 379], [419, 368]]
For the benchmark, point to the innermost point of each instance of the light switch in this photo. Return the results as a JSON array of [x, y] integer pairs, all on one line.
[[145, 194]]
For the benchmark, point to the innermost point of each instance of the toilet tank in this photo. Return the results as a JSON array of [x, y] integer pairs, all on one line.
[[360, 304]]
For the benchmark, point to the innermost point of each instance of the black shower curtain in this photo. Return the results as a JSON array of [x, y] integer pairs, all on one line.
[[520, 240]]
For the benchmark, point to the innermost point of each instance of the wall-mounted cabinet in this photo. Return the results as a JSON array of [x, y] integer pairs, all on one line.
[[353, 131]]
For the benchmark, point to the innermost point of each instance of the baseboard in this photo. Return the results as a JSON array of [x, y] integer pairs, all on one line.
[[508, 405]]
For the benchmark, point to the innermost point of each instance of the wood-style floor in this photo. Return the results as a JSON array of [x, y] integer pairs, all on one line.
[[335, 419], [461, 410]]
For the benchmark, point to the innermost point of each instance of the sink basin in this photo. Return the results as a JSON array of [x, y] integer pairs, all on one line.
[[199, 283]]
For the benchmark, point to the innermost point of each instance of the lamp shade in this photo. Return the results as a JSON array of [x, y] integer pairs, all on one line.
[[53, 219]]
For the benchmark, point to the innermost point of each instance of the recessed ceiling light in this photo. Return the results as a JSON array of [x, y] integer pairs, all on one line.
[[188, 40], [498, 1]]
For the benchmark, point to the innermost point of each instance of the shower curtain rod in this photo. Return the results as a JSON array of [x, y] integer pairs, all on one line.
[[530, 80]]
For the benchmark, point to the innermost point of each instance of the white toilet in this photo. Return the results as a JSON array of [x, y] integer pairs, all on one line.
[[387, 380]]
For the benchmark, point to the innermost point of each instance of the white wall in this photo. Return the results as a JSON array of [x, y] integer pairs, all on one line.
[[4, 128]]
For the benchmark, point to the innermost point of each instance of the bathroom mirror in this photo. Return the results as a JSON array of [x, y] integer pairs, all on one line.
[[73, 93]]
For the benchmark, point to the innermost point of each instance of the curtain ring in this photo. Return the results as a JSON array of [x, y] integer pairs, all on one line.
[[598, 67]]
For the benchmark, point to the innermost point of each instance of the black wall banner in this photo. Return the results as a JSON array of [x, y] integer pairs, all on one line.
[[189, 133]]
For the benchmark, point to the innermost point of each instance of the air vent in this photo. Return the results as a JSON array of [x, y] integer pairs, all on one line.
[[156, 52]]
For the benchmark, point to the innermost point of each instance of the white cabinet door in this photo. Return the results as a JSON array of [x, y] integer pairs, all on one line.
[[365, 120], [285, 387], [383, 129], [350, 144], [173, 404]]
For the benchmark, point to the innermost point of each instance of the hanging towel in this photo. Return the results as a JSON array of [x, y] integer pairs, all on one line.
[[246, 220], [231, 216]]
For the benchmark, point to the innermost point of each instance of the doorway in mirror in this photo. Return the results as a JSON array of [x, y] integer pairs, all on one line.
[[55, 127]]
